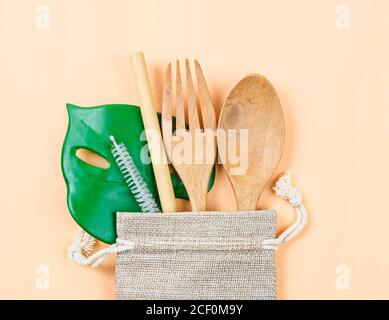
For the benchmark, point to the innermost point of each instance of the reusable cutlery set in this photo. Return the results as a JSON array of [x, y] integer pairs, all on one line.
[[132, 205], [252, 108], [248, 137]]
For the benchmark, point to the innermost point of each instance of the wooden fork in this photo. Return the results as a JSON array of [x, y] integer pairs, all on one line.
[[191, 150]]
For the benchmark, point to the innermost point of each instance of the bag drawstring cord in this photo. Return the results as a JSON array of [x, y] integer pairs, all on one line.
[[79, 251], [285, 190]]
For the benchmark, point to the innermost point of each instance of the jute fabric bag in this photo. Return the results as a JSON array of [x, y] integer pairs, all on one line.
[[202, 255]]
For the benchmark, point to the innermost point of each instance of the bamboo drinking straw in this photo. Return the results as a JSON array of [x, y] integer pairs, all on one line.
[[153, 133]]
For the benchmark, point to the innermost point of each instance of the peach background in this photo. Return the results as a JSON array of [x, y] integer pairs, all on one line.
[[332, 84]]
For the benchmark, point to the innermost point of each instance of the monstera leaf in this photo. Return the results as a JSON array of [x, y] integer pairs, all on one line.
[[95, 194]]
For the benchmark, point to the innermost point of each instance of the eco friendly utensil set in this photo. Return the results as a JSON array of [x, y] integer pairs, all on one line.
[[190, 255], [252, 109], [253, 105]]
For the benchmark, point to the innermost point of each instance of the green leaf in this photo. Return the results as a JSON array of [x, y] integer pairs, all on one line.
[[96, 194]]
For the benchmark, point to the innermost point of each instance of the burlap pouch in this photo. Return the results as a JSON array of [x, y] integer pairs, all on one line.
[[196, 255], [202, 255]]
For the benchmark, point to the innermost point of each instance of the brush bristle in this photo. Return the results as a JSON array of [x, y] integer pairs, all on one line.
[[137, 186]]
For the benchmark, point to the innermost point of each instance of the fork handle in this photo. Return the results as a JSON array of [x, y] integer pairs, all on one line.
[[198, 201], [197, 188]]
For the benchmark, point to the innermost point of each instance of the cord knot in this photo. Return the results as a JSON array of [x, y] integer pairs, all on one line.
[[74, 252], [294, 197], [285, 190], [79, 251]]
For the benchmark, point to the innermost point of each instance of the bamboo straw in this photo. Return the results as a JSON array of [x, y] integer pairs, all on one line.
[[153, 133]]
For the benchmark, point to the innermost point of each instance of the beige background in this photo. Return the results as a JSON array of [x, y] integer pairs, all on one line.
[[332, 84]]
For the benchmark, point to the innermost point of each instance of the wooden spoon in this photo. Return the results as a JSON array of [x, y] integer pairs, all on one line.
[[253, 104]]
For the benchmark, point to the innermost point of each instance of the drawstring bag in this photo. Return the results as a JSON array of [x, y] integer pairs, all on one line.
[[197, 255]]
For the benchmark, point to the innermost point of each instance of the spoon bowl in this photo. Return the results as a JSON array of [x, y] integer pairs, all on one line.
[[252, 112]]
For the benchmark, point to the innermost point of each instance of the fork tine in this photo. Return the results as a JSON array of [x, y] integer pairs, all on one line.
[[193, 117], [167, 110], [207, 109], [180, 112]]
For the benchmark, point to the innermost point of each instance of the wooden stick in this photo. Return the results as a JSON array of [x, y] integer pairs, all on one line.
[[153, 133]]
